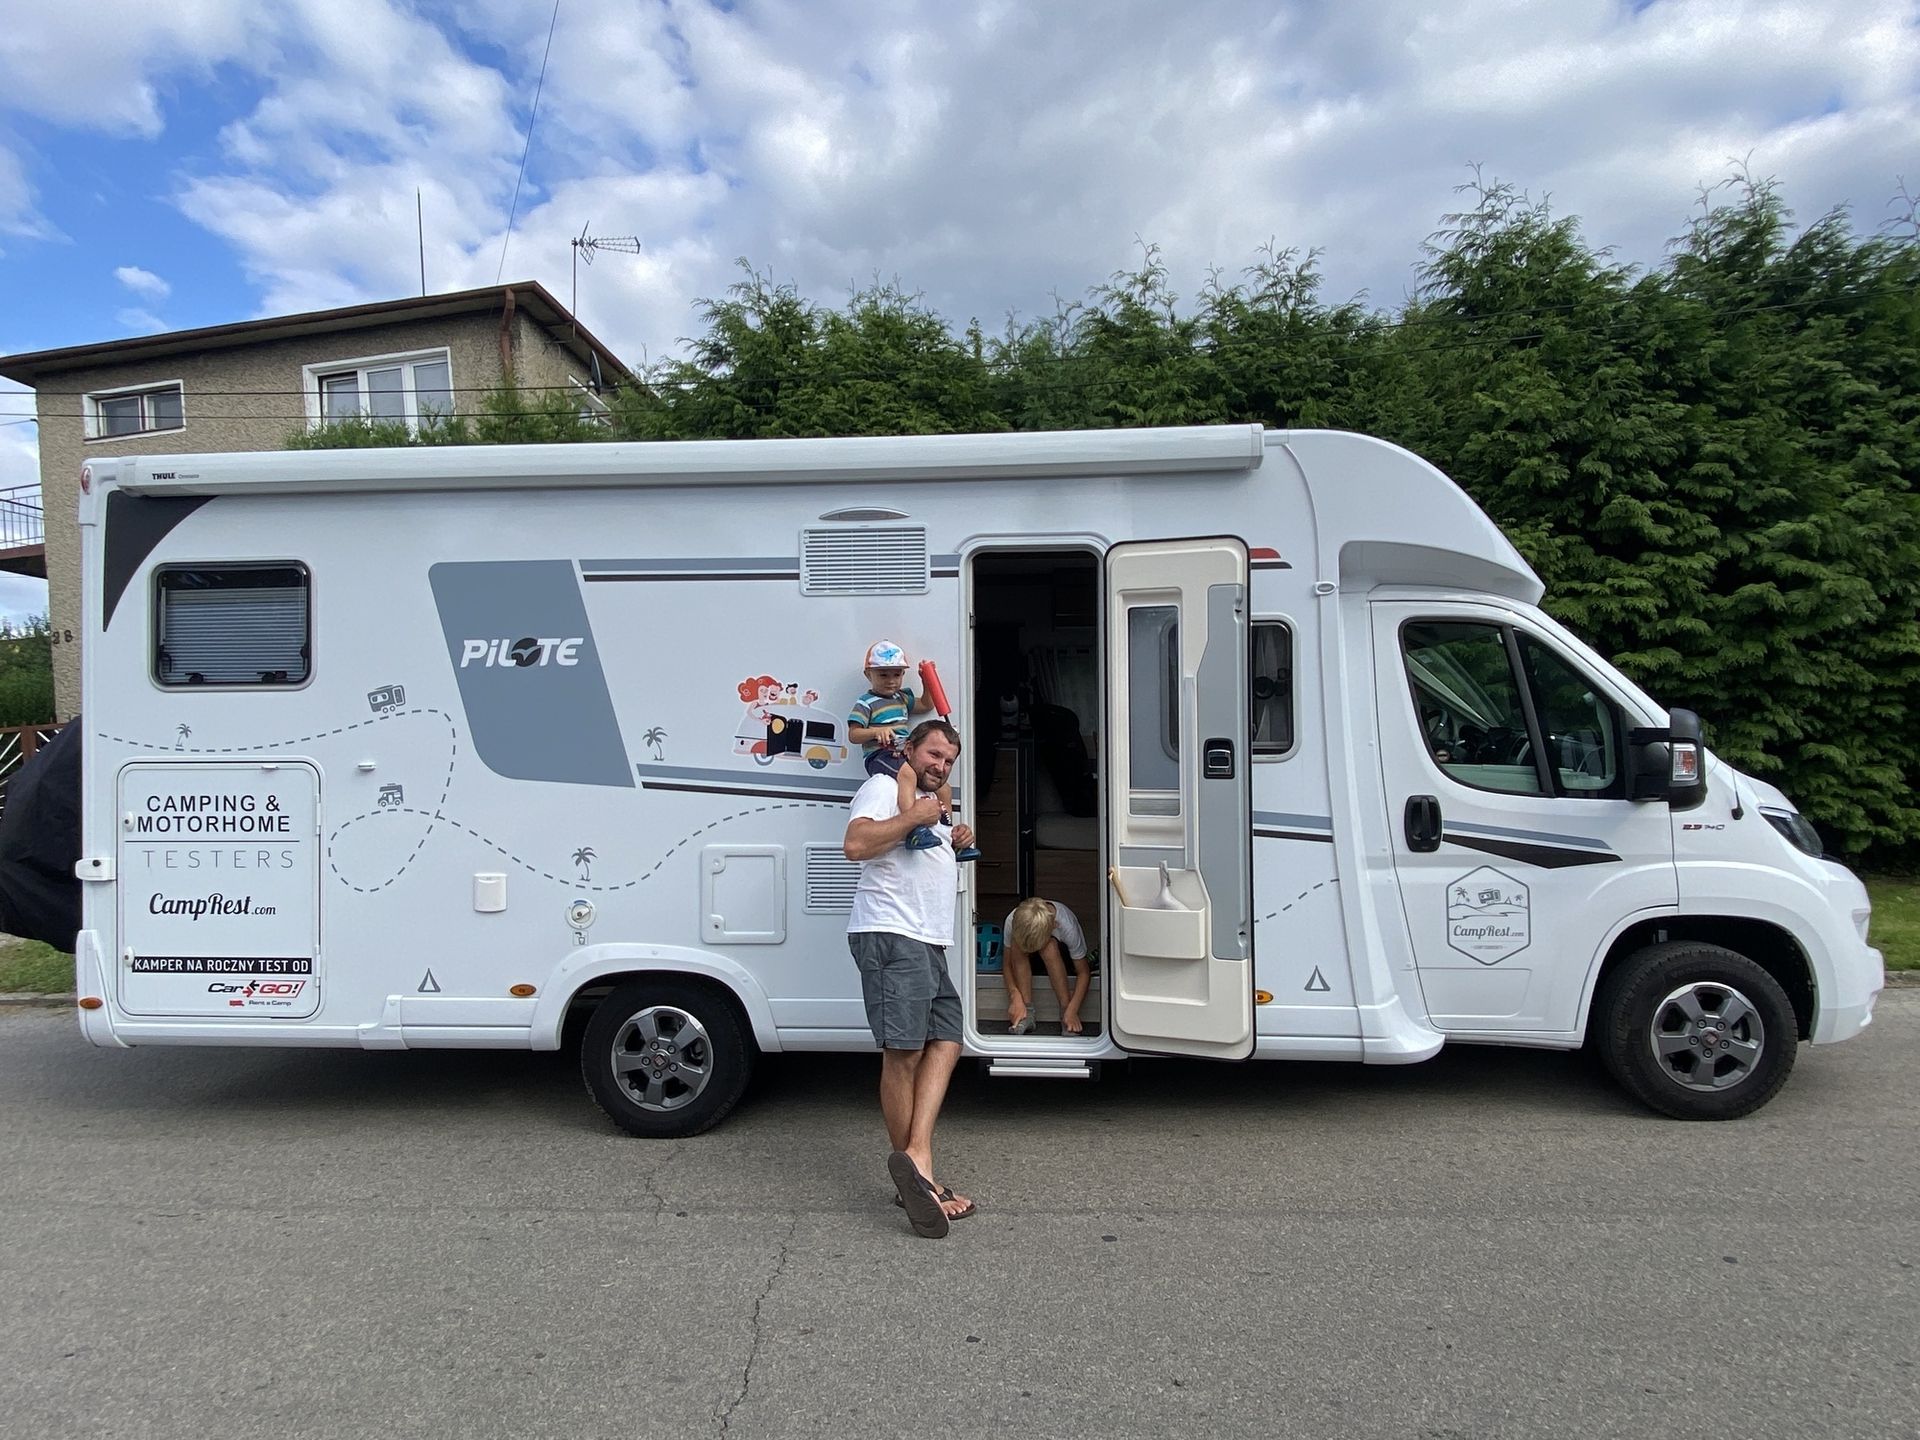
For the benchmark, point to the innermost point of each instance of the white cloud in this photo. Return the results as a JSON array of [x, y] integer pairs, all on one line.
[[136, 321], [142, 282], [990, 154]]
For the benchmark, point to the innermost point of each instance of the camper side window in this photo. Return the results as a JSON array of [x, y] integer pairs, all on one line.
[[231, 625], [1153, 709], [1271, 724], [1472, 715]]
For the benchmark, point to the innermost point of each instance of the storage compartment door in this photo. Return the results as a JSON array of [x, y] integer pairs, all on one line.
[[1180, 950], [219, 886]]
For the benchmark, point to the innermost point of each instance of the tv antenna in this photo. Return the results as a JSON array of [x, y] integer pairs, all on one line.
[[585, 245]]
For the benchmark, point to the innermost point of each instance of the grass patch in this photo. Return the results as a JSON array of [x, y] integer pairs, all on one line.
[[1896, 919], [27, 966]]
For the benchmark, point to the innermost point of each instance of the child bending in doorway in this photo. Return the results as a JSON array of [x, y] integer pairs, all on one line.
[[879, 722], [1041, 930]]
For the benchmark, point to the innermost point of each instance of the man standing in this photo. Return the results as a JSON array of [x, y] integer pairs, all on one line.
[[901, 924]]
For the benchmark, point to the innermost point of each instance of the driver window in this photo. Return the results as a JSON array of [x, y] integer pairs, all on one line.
[[1468, 701], [1581, 726]]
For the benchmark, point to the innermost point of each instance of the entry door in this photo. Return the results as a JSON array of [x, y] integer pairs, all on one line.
[[1180, 951], [1516, 848]]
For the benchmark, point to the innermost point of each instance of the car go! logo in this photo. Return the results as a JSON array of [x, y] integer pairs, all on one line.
[[523, 654]]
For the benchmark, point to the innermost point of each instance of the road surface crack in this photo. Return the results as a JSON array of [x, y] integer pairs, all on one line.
[[753, 1350]]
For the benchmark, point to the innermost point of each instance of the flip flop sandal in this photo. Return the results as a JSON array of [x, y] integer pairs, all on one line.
[[916, 1197], [1022, 1026], [946, 1193]]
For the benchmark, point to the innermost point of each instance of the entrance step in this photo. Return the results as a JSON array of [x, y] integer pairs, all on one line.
[[1041, 1069]]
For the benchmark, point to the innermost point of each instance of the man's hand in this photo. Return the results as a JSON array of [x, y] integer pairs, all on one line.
[[962, 836], [925, 810]]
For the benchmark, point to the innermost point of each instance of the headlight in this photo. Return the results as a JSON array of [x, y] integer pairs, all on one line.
[[1798, 830]]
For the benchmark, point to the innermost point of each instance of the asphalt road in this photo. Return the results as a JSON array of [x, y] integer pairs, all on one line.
[[247, 1243]]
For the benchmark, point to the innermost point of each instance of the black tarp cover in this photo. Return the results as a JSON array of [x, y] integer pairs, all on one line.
[[40, 844]]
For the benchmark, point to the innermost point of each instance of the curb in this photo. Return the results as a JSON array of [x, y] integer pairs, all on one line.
[[26, 1000]]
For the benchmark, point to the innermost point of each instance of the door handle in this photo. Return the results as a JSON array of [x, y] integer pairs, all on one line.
[[1423, 823], [1216, 759]]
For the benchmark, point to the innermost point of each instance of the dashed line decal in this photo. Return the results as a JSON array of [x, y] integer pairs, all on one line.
[[437, 815], [1296, 900]]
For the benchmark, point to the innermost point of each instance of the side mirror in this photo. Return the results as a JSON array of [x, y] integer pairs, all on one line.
[[1668, 764]]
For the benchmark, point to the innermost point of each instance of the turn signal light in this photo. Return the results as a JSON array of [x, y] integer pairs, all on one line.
[[91, 1002], [1263, 997], [523, 991]]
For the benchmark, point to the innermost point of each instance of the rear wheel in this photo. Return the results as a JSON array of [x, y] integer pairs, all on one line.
[[665, 1057], [1696, 1031]]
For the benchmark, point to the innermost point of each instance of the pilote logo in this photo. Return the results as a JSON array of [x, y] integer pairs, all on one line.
[[522, 654]]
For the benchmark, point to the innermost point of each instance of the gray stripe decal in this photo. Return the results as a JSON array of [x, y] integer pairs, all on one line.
[[1547, 857], [680, 777], [714, 563], [1297, 822], [1542, 837]]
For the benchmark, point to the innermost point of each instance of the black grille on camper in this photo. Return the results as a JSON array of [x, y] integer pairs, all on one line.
[[864, 560], [830, 880]]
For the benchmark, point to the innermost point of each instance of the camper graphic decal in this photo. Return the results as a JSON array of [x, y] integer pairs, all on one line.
[[1489, 915], [782, 722], [529, 672]]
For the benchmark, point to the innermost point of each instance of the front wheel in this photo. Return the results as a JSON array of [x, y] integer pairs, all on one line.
[[665, 1057], [1696, 1031]]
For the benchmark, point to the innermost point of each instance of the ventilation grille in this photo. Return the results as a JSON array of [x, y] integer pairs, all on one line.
[[864, 560], [830, 880]]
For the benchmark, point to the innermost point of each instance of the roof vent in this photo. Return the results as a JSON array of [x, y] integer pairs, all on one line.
[[864, 560], [830, 880]]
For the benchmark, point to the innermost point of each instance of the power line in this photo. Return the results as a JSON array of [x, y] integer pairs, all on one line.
[[514, 209]]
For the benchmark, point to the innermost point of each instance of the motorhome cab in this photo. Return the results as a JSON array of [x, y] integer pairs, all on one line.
[[453, 747]]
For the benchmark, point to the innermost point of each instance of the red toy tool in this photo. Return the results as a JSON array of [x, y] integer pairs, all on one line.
[[935, 691]]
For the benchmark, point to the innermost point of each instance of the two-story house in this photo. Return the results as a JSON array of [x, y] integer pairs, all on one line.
[[248, 386]]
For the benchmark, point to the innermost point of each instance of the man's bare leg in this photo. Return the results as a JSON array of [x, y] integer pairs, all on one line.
[[898, 1069], [929, 1093], [1018, 974]]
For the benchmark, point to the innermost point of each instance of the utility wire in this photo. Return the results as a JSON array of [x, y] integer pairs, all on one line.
[[514, 209]]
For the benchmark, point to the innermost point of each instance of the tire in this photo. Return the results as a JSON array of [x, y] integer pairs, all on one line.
[[1738, 1027], [643, 1042]]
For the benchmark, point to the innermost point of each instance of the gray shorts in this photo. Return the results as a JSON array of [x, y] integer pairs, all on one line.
[[909, 994]]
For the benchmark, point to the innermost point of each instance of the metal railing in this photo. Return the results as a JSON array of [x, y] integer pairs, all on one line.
[[17, 745], [22, 520]]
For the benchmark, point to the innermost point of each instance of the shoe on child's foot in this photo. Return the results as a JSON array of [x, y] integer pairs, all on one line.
[[970, 852], [921, 837]]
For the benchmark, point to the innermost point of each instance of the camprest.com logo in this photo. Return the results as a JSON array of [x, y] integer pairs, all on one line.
[[523, 654]]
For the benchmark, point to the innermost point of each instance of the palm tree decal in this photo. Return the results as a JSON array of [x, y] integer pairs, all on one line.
[[180, 739], [583, 857], [653, 737]]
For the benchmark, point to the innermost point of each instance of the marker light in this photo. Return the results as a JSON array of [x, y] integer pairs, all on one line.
[[91, 1002], [1263, 997], [522, 990], [1686, 763]]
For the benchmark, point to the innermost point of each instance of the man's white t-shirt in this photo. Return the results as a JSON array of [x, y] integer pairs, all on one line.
[[1066, 929], [902, 892]]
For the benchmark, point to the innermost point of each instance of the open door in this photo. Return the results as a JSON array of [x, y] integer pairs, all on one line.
[[1180, 952]]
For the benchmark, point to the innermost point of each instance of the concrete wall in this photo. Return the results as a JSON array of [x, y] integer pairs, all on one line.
[[244, 398]]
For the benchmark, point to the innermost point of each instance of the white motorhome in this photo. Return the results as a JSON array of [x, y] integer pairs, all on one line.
[[506, 747]]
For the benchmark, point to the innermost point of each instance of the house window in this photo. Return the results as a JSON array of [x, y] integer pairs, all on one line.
[[114, 414], [231, 625], [590, 405], [406, 388]]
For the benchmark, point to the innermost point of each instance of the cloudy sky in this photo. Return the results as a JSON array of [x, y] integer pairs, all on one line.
[[205, 161]]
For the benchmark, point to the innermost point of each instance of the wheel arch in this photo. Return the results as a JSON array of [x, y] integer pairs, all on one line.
[[589, 974], [1772, 947]]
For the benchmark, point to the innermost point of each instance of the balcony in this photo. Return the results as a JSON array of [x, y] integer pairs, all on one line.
[[23, 531]]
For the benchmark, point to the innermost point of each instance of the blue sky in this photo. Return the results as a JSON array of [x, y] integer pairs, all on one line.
[[215, 160]]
